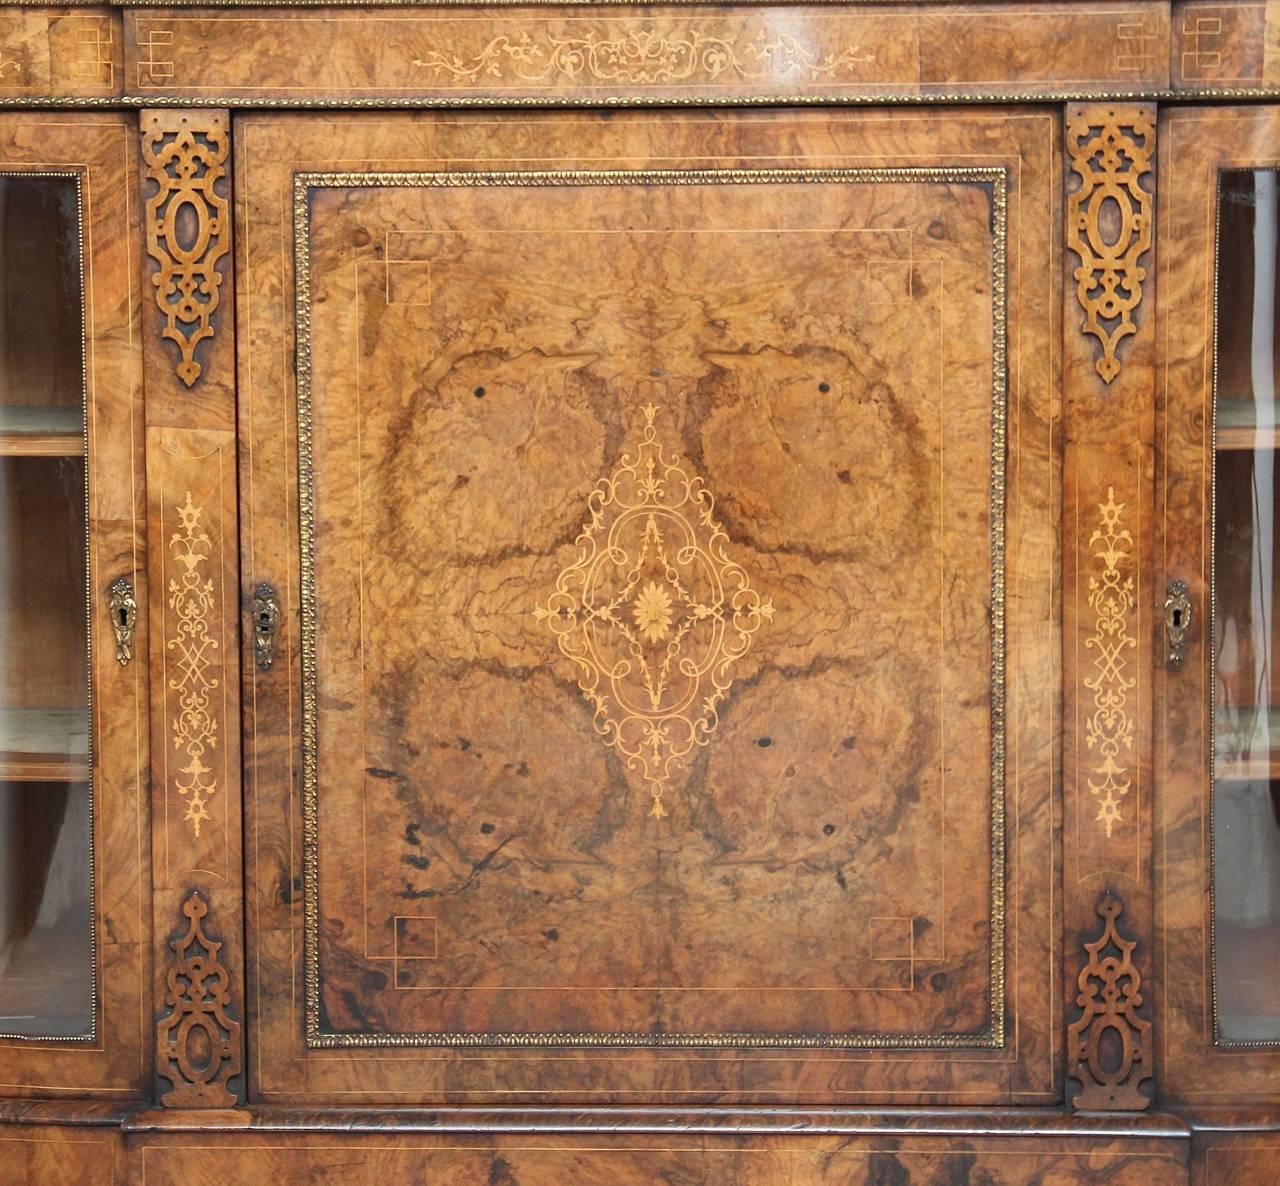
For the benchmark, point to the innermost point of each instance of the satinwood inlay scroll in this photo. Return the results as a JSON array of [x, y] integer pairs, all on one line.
[[198, 1042], [1109, 728], [1109, 1045], [194, 646], [653, 612], [1109, 221], [187, 225], [646, 55]]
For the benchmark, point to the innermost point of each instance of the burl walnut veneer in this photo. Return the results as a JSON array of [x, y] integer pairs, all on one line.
[[643, 559]]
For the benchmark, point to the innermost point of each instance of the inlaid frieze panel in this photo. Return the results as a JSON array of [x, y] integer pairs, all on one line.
[[698, 54], [63, 51], [651, 626]]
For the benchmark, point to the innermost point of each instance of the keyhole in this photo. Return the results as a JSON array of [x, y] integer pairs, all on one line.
[[1177, 619], [264, 620], [124, 617]]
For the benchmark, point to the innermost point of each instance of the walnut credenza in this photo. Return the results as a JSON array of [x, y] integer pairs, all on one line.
[[745, 528]]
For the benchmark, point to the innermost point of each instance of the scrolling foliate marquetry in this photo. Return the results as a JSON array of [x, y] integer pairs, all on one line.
[[1109, 221], [648, 55], [1109, 1044], [198, 1041], [188, 230], [654, 613], [1109, 728], [195, 647]]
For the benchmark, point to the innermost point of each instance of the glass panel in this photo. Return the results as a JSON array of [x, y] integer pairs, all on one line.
[[46, 923], [1246, 541]]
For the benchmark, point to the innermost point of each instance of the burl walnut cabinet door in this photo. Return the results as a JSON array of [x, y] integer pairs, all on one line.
[[74, 908], [1218, 841], [662, 512]]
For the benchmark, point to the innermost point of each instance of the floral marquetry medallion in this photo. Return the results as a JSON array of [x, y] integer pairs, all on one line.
[[654, 613]]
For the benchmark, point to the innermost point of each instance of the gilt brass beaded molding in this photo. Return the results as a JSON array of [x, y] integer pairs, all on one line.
[[782, 99], [315, 1037], [79, 179]]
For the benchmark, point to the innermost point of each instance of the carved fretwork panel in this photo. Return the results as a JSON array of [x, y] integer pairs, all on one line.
[[198, 1042], [187, 218], [1109, 221], [1109, 1044]]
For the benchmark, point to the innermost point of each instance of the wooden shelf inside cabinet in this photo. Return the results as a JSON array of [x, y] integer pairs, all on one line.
[[1238, 760], [1236, 428], [44, 745], [41, 432]]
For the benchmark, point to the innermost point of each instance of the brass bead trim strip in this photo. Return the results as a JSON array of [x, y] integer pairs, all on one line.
[[997, 178], [254, 102]]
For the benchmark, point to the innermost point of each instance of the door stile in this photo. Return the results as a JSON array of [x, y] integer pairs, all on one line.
[[197, 849], [1109, 604]]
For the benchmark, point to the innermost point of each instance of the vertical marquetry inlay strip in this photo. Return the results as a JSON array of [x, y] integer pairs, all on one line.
[[187, 216], [1109, 222], [1109, 729], [194, 646]]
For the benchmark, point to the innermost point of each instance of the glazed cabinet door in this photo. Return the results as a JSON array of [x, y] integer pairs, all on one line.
[[74, 959], [651, 530], [1219, 759]]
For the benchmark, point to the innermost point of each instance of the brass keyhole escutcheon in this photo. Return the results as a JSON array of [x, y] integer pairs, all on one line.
[[266, 622], [124, 617], [1177, 622]]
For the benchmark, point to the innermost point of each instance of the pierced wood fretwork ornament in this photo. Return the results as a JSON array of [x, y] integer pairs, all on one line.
[[197, 1041], [188, 224], [1109, 220], [1109, 1045]]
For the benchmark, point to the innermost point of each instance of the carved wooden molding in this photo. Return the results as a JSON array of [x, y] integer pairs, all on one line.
[[1109, 220], [1109, 1045], [197, 1042], [187, 224]]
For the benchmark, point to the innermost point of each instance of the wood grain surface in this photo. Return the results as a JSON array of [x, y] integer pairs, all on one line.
[[41, 1155], [810, 1161], [481, 356]]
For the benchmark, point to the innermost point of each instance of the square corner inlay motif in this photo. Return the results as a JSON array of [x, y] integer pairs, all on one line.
[[653, 612]]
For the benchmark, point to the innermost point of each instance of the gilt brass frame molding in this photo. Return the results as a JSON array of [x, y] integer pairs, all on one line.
[[77, 177], [409, 103], [997, 179]]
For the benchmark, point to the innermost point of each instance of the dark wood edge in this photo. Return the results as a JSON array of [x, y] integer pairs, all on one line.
[[66, 1113], [1234, 1119], [1006, 1122], [958, 1122]]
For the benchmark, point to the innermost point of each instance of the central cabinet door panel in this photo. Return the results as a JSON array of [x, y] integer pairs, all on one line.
[[662, 516]]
